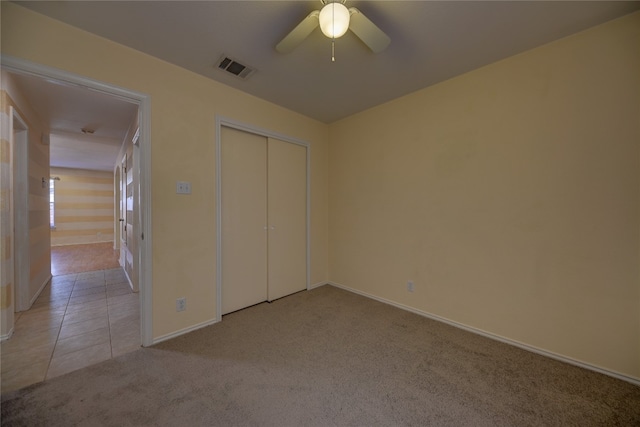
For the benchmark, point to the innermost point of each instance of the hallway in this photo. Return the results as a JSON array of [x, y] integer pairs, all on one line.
[[78, 320]]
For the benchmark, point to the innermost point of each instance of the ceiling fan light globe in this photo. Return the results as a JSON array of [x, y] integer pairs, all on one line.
[[334, 20]]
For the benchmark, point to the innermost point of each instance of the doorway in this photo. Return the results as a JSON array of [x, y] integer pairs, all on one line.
[[142, 148]]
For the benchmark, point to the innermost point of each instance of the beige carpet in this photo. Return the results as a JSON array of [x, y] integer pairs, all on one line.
[[327, 358]]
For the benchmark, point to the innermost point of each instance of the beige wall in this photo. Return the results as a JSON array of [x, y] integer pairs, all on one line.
[[84, 203], [183, 108], [509, 195], [39, 266]]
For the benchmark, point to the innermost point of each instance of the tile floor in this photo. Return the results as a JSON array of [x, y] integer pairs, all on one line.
[[78, 320], [86, 257]]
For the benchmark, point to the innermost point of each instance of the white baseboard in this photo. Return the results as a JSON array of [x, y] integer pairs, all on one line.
[[183, 331], [316, 285], [58, 244], [35, 297], [533, 349], [7, 335]]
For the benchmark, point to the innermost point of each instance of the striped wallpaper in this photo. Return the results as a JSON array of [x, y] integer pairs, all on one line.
[[37, 270], [84, 207], [6, 226]]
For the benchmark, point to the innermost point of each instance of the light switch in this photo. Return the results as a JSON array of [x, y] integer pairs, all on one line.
[[183, 187]]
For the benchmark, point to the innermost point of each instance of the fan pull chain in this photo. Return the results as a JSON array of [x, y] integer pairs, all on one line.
[[333, 50]]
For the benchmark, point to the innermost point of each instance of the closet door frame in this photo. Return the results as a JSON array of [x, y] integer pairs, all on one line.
[[233, 124]]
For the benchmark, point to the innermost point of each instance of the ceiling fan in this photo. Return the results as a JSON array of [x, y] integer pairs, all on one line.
[[334, 20]]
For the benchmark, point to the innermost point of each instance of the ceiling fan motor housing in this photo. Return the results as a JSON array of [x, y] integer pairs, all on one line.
[[334, 19]]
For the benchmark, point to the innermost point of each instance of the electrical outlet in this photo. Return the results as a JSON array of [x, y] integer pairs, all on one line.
[[410, 286], [181, 304]]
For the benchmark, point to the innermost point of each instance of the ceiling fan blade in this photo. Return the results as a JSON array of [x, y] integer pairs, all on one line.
[[367, 31], [299, 33]]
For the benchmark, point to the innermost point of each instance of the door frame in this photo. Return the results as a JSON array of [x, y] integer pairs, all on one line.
[[234, 124], [143, 101], [116, 209], [20, 209]]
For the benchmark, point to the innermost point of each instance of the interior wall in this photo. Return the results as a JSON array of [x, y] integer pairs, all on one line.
[[183, 110], [508, 195], [6, 225], [84, 203], [38, 204]]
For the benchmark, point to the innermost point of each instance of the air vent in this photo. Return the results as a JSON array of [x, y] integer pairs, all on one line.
[[232, 66]]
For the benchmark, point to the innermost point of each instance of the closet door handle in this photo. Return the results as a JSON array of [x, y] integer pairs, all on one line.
[[273, 227]]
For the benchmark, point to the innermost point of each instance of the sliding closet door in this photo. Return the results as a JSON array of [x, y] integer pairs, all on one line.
[[287, 216], [244, 210]]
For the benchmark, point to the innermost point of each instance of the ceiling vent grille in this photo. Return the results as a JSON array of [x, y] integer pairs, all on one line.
[[232, 66]]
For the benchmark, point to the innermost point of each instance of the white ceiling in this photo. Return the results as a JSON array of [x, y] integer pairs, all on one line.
[[431, 41]]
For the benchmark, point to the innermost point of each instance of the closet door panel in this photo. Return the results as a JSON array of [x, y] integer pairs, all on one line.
[[244, 208], [287, 218]]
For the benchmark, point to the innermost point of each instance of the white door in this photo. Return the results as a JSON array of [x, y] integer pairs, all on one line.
[[244, 219], [123, 211], [287, 215], [264, 226]]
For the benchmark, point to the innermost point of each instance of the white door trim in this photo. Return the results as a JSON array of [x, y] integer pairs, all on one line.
[[20, 219], [143, 101], [223, 121]]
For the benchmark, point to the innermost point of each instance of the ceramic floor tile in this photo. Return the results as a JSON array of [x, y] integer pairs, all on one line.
[[58, 289], [78, 319], [120, 290], [84, 315], [90, 276], [69, 330], [123, 310], [49, 304], [80, 342], [24, 342], [21, 359], [79, 305], [121, 285], [123, 316], [26, 376], [101, 290], [90, 283], [53, 296], [86, 298], [36, 323], [122, 299], [43, 308], [63, 279], [114, 282], [115, 274], [40, 314], [78, 359], [125, 325]]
